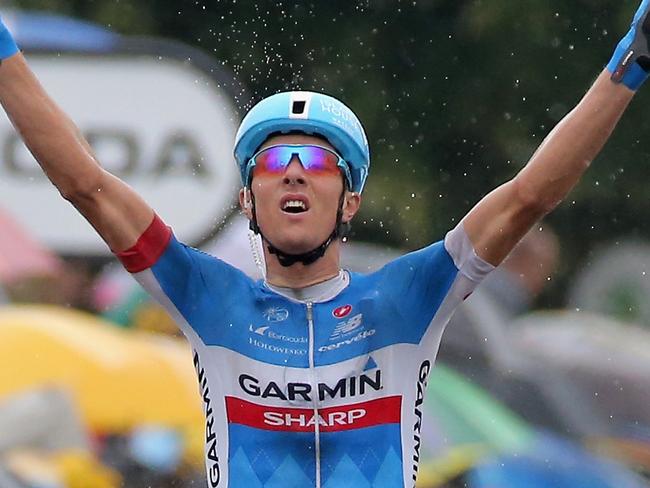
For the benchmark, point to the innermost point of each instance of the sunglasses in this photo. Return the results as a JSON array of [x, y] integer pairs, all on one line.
[[316, 160]]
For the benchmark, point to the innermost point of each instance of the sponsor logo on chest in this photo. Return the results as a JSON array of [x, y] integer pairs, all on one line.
[[347, 332], [344, 388], [272, 338], [276, 314], [342, 311], [347, 327], [380, 411]]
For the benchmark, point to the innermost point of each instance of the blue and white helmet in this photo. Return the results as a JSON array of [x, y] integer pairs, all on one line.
[[309, 113]]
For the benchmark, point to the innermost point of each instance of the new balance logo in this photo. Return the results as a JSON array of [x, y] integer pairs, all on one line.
[[346, 327]]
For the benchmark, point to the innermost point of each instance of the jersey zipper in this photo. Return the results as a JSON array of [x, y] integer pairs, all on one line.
[[312, 368]]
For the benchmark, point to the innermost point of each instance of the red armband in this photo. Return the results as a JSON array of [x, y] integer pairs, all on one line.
[[150, 246]]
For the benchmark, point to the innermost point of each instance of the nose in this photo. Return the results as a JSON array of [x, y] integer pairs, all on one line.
[[294, 173]]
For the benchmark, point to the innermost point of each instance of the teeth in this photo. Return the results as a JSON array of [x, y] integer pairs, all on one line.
[[294, 204]]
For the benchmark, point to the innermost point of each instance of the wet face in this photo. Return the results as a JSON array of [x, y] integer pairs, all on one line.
[[296, 211]]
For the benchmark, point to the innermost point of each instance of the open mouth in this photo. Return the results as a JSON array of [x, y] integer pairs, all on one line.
[[294, 206], [294, 203]]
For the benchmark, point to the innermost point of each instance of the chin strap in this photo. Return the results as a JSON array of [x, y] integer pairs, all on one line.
[[306, 258]]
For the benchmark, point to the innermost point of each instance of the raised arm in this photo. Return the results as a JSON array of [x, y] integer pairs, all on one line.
[[118, 214], [503, 217]]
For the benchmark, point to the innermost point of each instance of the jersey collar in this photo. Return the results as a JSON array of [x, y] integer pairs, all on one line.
[[320, 292]]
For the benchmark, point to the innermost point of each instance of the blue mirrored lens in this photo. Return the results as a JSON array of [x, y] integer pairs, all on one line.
[[313, 158]]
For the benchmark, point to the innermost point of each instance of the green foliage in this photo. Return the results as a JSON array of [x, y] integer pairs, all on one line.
[[455, 94]]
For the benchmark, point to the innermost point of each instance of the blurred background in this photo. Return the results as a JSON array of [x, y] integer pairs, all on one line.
[[542, 377]]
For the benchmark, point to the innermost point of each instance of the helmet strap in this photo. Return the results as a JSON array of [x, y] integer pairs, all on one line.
[[309, 257]]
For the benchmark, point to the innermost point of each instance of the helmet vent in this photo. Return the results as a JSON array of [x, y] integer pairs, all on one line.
[[298, 107]]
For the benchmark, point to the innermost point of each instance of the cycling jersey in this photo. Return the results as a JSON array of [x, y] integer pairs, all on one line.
[[319, 387]]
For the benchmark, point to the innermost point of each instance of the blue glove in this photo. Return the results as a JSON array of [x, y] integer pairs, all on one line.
[[631, 60], [7, 44]]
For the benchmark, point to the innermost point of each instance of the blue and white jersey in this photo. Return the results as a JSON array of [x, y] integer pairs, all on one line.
[[320, 387]]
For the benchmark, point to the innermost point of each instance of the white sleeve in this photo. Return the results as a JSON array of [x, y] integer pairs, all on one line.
[[462, 252]]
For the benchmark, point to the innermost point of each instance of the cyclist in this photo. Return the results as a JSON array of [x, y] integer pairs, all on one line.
[[314, 376]]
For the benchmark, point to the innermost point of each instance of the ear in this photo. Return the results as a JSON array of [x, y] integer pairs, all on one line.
[[246, 203], [351, 204]]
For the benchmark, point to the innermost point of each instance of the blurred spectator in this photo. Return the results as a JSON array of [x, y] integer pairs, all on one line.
[[45, 419], [515, 284], [149, 457], [21, 257], [30, 272], [70, 287]]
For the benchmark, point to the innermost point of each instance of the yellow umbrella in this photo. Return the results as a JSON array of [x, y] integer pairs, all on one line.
[[119, 378]]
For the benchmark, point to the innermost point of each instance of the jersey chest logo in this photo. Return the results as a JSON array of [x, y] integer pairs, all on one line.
[[342, 311]]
